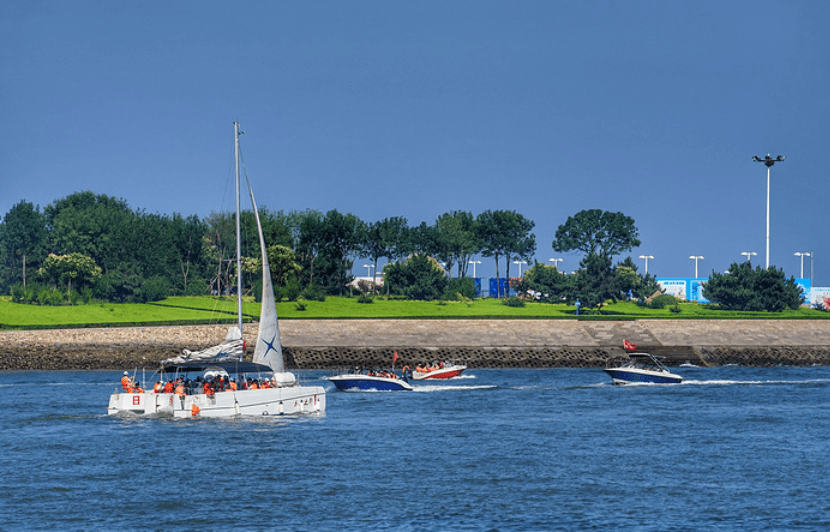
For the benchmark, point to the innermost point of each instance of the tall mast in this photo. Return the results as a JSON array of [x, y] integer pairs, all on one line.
[[236, 134]]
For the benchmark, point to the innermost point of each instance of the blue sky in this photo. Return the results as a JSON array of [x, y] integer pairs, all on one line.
[[400, 108]]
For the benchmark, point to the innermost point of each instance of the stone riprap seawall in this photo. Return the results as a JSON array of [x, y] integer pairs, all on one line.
[[528, 343]]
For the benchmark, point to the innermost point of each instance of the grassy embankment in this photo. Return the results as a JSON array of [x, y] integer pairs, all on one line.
[[204, 310]]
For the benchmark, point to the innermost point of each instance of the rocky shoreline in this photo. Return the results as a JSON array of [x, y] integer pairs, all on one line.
[[326, 344]]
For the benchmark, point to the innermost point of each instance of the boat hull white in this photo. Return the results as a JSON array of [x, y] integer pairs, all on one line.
[[264, 402]]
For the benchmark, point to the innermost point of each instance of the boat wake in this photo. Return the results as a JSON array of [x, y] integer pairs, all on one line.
[[729, 382], [444, 388]]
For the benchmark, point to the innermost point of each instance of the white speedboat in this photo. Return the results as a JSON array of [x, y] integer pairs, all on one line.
[[217, 389], [640, 368]]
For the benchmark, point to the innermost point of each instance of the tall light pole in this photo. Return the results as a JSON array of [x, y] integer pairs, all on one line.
[[555, 262], [696, 258], [474, 262], [802, 255], [646, 257], [519, 262], [749, 255], [768, 162], [368, 267]]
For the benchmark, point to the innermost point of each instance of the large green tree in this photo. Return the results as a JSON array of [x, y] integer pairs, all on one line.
[[419, 277], [743, 288], [594, 283], [22, 236], [95, 225], [549, 284], [341, 236], [66, 269], [457, 240], [597, 232], [505, 234], [385, 238]]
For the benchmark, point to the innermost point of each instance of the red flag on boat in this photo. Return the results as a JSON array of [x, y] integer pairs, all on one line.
[[629, 346], [395, 356]]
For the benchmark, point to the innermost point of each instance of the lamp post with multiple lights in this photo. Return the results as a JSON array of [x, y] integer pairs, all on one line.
[[555, 262], [696, 258], [768, 162], [519, 263], [474, 262], [749, 255], [646, 257], [802, 255]]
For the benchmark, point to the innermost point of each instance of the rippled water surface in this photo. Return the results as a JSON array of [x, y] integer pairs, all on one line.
[[731, 448]]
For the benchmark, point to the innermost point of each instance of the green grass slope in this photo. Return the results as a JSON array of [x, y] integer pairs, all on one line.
[[205, 310]]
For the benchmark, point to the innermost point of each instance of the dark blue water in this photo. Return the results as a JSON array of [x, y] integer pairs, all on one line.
[[730, 449]]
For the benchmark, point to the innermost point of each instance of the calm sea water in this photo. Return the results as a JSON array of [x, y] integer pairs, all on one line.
[[732, 448]]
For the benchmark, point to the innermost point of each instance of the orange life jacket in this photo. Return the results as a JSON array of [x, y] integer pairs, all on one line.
[[168, 387], [125, 382]]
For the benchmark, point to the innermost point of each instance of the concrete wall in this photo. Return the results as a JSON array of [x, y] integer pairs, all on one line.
[[322, 344]]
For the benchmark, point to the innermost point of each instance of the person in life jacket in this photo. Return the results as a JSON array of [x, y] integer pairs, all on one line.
[[179, 388], [168, 387], [158, 387], [126, 381], [137, 388], [232, 385], [208, 388]]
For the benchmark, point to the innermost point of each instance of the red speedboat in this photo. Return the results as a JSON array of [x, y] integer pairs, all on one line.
[[437, 370]]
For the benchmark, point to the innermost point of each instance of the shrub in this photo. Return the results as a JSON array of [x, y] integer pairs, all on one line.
[[299, 306], [513, 302], [459, 289], [662, 301], [314, 292], [18, 292], [154, 289], [291, 291], [365, 298]]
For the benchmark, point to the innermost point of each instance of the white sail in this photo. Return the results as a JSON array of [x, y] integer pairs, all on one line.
[[268, 346]]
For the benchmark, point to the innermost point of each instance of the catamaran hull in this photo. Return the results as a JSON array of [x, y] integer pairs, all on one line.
[[366, 383], [631, 376], [267, 402]]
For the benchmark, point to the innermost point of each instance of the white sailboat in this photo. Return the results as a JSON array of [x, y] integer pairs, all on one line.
[[216, 382]]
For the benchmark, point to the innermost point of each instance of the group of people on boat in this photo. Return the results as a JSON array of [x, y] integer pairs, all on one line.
[[427, 368], [209, 386], [382, 373]]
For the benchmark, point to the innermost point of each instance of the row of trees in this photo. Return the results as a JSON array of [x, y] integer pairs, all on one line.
[[90, 241], [96, 246]]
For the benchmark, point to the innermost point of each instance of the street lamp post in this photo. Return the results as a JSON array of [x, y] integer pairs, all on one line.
[[555, 262], [802, 255], [646, 257], [749, 255], [474, 262], [520, 262], [768, 162], [368, 267], [696, 258]]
